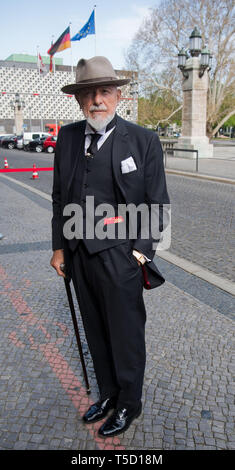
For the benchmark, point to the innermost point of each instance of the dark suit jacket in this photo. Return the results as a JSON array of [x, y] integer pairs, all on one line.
[[145, 185]]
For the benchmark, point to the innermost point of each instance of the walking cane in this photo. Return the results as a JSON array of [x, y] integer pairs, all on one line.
[[75, 324]]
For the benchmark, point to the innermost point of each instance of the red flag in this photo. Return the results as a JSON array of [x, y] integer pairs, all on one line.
[[41, 65], [51, 65]]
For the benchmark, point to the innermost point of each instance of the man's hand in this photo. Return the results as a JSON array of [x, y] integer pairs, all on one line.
[[139, 263], [56, 260], [140, 258]]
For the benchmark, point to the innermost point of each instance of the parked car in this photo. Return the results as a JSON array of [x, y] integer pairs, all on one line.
[[28, 136], [11, 141], [20, 143], [35, 145], [3, 136], [49, 144]]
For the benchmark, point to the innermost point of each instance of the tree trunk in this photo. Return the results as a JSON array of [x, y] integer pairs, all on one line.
[[209, 129], [222, 122]]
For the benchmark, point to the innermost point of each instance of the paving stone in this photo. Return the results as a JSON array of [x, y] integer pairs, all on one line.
[[206, 414], [38, 438], [20, 445]]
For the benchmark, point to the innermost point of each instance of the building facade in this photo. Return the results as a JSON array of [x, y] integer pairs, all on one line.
[[41, 99]]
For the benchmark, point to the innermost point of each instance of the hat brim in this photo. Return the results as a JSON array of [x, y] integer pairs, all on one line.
[[73, 88]]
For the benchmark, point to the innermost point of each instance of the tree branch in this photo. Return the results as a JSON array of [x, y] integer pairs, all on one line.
[[222, 122], [172, 114]]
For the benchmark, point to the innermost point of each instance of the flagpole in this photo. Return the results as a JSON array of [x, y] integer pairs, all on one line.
[[72, 78], [40, 99], [53, 63], [38, 60], [95, 25], [56, 124], [71, 55]]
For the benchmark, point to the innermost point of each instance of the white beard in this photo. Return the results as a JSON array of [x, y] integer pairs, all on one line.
[[99, 123]]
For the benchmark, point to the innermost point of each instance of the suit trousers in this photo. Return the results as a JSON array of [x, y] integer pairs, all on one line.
[[109, 290]]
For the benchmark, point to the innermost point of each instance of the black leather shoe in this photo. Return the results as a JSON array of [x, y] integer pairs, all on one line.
[[118, 422], [99, 410]]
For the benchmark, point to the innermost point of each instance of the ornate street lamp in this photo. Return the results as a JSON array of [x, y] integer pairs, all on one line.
[[18, 106], [195, 50], [182, 57], [195, 43], [205, 60]]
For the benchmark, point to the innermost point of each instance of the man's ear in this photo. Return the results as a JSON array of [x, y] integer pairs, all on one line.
[[119, 94], [77, 99]]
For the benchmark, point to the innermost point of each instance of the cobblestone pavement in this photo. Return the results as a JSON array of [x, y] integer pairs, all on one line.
[[188, 396], [203, 223]]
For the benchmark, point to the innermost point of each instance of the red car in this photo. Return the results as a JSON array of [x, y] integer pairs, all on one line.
[[49, 144]]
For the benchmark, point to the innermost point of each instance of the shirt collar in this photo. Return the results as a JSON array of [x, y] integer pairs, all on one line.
[[89, 130]]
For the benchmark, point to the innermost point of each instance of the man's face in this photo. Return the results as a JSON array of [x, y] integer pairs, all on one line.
[[99, 104]]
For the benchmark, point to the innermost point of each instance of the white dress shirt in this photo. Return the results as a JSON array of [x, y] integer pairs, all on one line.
[[104, 136]]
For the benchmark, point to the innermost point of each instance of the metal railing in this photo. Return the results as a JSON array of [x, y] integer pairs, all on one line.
[[172, 150], [168, 143]]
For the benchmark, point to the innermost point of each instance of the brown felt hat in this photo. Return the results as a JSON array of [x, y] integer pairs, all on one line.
[[94, 72]]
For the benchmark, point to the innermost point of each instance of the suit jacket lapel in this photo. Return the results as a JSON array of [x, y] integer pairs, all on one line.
[[77, 151], [121, 149]]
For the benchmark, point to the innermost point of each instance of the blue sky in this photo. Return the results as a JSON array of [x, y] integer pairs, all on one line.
[[28, 24]]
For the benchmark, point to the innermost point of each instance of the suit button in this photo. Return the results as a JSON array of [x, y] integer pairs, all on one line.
[[85, 185]]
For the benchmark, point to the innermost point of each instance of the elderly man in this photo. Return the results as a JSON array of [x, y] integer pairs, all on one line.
[[114, 162]]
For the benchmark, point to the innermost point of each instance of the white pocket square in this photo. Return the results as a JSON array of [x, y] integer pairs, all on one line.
[[128, 165]]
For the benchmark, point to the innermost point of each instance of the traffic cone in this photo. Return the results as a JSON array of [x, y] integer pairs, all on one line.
[[5, 163], [35, 173]]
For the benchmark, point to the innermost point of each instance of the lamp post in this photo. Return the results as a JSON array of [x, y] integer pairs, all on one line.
[[182, 57], [194, 64], [30, 118], [206, 61], [195, 43], [18, 107]]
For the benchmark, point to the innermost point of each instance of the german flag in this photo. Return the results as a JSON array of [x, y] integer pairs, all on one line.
[[62, 43]]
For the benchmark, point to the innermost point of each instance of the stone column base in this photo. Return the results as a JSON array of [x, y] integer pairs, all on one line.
[[205, 149], [18, 122]]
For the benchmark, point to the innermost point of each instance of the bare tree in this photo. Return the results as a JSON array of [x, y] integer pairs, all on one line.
[[153, 52]]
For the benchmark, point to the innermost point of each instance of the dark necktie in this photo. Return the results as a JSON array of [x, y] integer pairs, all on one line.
[[93, 148]]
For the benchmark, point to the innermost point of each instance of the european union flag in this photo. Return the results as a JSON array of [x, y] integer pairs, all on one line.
[[88, 28]]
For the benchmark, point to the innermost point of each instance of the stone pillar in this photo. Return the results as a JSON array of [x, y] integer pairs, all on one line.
[[194, 113], [18, 121]]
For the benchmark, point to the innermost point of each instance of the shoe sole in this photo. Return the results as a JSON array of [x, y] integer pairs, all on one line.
[[115, 433]]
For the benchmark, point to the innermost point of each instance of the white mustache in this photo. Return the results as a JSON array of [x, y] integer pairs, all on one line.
[[101, 107]]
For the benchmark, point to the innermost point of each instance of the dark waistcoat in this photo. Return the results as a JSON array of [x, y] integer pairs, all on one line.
[[96, 180]]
